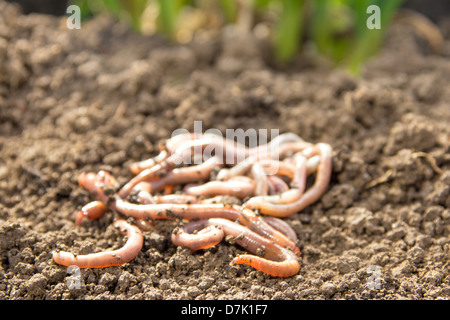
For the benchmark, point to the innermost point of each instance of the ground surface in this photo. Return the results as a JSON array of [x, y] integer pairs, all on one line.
[[101, 97]]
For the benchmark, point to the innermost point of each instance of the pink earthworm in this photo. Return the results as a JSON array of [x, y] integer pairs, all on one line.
[[145, 225], [198, 211], [271, 163], [162, 174], [226, 150], [177, 140], [95, 183], [239, 169], [208, 236], [228, 200], [301, 172], [142, 195], [145, 175], [260, 178], [275, 167], [234, 152], [276, 184], [93, 210], [290, 148], [176, 198], [240, 187], [257, 224], [270, 257], [298, 185], [157, 211], [182, 154], [310, 196], [185, 175], [271, 167], [286, 167], [278, 145], [107, 258], [282, 226], [138, 167]]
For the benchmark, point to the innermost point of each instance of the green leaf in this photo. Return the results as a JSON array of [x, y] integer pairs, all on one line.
[[288, 30]]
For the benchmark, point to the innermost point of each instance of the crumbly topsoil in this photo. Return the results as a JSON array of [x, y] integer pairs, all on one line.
[[102, 97]]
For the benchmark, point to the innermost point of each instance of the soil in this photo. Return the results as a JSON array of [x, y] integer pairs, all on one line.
[[102, 97]]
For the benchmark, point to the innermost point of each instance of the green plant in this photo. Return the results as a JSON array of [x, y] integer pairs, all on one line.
[[128, 10], [337, 28], [288, 30]]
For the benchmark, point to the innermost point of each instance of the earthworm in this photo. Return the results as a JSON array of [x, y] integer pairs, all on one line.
[[138, 167], [239, 169], [290, 195], [276, 167], [107, 258], [259, 225], [272, 258], [282, 226], [286, 167], [175, 176], [203, 211], [185, 175], [234, 152], [178, 139], [301, 172], [205, 238], [259, 175], [142, 195], [93, 210], [145, 175], [278, 145], [276, 184], [176, 198], [310, 196], [240, 187], [228, 200], [145, 225], [226, 150], [184, 211], [223, 148], [244, 166], [175, 211], [286, 267], [97, 183]]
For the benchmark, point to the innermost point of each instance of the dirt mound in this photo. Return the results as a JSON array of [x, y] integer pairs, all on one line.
[[102, 97]]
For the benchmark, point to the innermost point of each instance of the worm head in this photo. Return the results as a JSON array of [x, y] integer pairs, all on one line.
[[97, 183]]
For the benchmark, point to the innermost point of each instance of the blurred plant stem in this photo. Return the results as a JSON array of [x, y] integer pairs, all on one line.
[[287, 37], [369, 41], [134, 8], [230, 10], [168, 14], [339, 30]]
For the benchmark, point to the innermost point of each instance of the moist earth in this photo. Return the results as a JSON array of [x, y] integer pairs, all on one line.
[[103, 97]]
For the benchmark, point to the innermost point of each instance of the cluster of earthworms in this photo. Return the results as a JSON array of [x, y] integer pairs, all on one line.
[[270, 181]]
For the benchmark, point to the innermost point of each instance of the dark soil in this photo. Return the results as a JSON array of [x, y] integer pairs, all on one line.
[[102, 97]]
